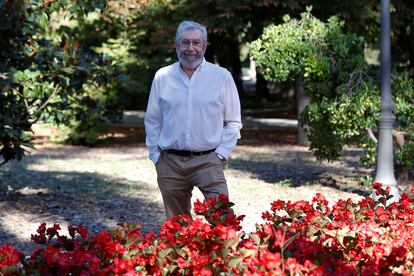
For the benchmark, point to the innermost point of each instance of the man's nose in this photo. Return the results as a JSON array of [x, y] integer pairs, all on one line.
[[190, 46]]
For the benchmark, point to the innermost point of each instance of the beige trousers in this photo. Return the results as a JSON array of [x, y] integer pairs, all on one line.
[[177, 176]]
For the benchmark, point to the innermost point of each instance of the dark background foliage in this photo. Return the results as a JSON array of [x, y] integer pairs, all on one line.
[[78, 64]]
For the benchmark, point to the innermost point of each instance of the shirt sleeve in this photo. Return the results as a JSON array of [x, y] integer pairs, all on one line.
[[232, 118], [153, 122]]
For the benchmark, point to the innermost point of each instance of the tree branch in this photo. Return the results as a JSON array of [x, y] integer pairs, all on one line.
[[398, 137], [45, 103], [371, 135]]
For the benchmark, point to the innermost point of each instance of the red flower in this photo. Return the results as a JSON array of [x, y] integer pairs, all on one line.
[[204, 272], [369, 213], [277, 205], [83, 231], [42, 228], [223, 199], [292, 266], [225, 232], [181, 263], [298, 238], [376, 185], [382, 214], [271, 261], [9, 256], [200, 207]]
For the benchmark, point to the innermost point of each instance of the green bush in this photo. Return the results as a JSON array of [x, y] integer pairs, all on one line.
[[343, 88], [45, 73]]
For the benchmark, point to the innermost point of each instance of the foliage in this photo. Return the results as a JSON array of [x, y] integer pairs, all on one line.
[[309, 48], [406, 153], [402, 24], [139, 34], [297, 238], [343, 88], [117, 36], [45, 73], [363, 19]]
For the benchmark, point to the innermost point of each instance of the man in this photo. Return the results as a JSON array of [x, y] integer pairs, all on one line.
[[192, 122]]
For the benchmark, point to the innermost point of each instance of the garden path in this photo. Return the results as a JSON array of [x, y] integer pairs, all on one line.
[[114, 182]]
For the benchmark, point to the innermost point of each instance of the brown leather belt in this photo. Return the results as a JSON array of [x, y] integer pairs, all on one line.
[[188, 152]]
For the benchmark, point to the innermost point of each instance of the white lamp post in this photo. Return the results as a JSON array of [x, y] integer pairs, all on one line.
[[385, 155]]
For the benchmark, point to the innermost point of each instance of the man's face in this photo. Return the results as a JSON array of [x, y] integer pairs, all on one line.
[[191, 49]]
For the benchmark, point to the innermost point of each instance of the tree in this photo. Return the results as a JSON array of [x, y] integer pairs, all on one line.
[[144, 34], [44, 73], [138, 34], [343, 89], [290, 52], [363, 19]]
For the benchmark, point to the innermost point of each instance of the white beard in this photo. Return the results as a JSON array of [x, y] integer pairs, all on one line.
[[193, 63]]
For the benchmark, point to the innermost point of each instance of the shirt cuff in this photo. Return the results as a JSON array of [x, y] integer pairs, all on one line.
[[221, 157], [223, 152], [155, 156]]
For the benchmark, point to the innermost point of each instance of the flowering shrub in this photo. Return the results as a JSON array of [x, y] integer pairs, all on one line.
[[297, 238]]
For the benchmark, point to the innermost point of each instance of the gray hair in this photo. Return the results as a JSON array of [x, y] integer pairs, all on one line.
[[190, 25]]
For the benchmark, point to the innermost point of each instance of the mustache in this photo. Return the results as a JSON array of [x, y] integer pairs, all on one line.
[[190, 60]]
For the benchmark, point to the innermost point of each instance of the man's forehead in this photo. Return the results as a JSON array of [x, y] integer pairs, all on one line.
[[192, 34]]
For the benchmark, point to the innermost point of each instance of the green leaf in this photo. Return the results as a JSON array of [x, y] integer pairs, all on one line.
[[331, 233], [247, 252], [149, 250], [68, 70], [224, 252], [139, 268], [289, 241], [171, 269], [343, 233], [129, 254], [231, 243], [234, 262], [163, 253], [43, 20], [131, 240], [255, 238], [183, 252]]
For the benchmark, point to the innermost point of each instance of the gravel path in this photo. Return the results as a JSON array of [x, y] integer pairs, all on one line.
[[99, 187]]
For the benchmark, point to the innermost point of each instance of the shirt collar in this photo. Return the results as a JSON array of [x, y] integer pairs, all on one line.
[[202, 64]]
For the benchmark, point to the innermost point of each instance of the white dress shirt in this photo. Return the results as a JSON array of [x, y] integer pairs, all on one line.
[[197, 114]]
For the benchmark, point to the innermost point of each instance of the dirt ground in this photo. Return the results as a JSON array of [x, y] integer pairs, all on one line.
[[115, 182]]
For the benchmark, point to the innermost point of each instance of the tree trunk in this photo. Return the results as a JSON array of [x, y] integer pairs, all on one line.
[[262, 91], [236, 66], [301, 102]]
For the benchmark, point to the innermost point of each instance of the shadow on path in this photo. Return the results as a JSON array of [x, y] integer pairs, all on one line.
[[296, 168], [93, 200]]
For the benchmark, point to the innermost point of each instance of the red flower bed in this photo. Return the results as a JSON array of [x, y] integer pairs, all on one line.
[[297, 238]]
